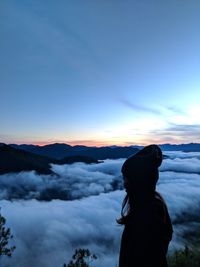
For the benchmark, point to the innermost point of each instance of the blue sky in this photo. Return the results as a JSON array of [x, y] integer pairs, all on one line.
[[100, 72]]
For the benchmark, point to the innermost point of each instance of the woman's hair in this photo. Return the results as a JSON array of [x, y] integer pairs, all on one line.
[[125, 211], [141, 171]]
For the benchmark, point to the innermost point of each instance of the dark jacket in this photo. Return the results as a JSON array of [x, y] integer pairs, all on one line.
[[146, 236]]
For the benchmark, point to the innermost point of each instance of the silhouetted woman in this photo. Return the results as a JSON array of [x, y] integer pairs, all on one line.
[[147, 225]]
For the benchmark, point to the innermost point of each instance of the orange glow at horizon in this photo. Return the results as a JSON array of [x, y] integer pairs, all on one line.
[[96, 143], [100, 143]]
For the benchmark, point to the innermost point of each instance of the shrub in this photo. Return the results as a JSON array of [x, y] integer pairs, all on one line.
[[5, 236], [185, 258], [81, 258]]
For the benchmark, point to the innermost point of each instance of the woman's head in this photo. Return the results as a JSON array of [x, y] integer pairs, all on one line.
[[140, 171]]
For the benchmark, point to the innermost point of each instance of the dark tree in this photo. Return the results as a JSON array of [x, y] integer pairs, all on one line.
[[5, 237], [81, 258]]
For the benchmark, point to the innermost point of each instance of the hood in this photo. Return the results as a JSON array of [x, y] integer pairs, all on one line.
[[141, 173]]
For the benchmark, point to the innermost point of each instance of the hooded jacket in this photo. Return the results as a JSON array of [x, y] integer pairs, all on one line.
[[148, 229]]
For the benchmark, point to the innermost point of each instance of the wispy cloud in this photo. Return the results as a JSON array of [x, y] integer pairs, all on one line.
[[177, 133], [176, 110], [195, 128], [138, 108], [183, 130]]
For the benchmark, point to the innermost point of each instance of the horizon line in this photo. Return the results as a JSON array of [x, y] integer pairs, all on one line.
[[88, 144]]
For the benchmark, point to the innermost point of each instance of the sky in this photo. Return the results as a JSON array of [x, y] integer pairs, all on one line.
[[100, 72], [88, 218]]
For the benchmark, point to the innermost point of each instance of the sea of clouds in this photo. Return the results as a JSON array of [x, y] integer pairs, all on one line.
[[83, 204], [70, 181]]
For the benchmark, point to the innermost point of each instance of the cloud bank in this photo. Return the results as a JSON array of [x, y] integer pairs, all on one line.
[[46, 233], [70, 182], [80, 180]]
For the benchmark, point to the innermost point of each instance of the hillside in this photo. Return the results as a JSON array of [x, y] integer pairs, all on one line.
[[59, 151], [56, 151], [17, 160]]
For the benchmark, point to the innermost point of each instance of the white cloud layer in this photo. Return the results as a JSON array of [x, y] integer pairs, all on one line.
[[47, 233], [70, 182]]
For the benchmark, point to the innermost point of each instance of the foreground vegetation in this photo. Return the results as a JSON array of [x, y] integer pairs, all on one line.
[[182, 258], [185, 258], [5, 237], [81, 258]]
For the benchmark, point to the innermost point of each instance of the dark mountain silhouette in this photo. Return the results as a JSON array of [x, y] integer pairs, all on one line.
[[108, 152], [59, 151], [191, 147], [17, 160]]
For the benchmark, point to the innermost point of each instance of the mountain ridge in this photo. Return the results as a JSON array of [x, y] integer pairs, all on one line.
[[59, 151], [17, 160]]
